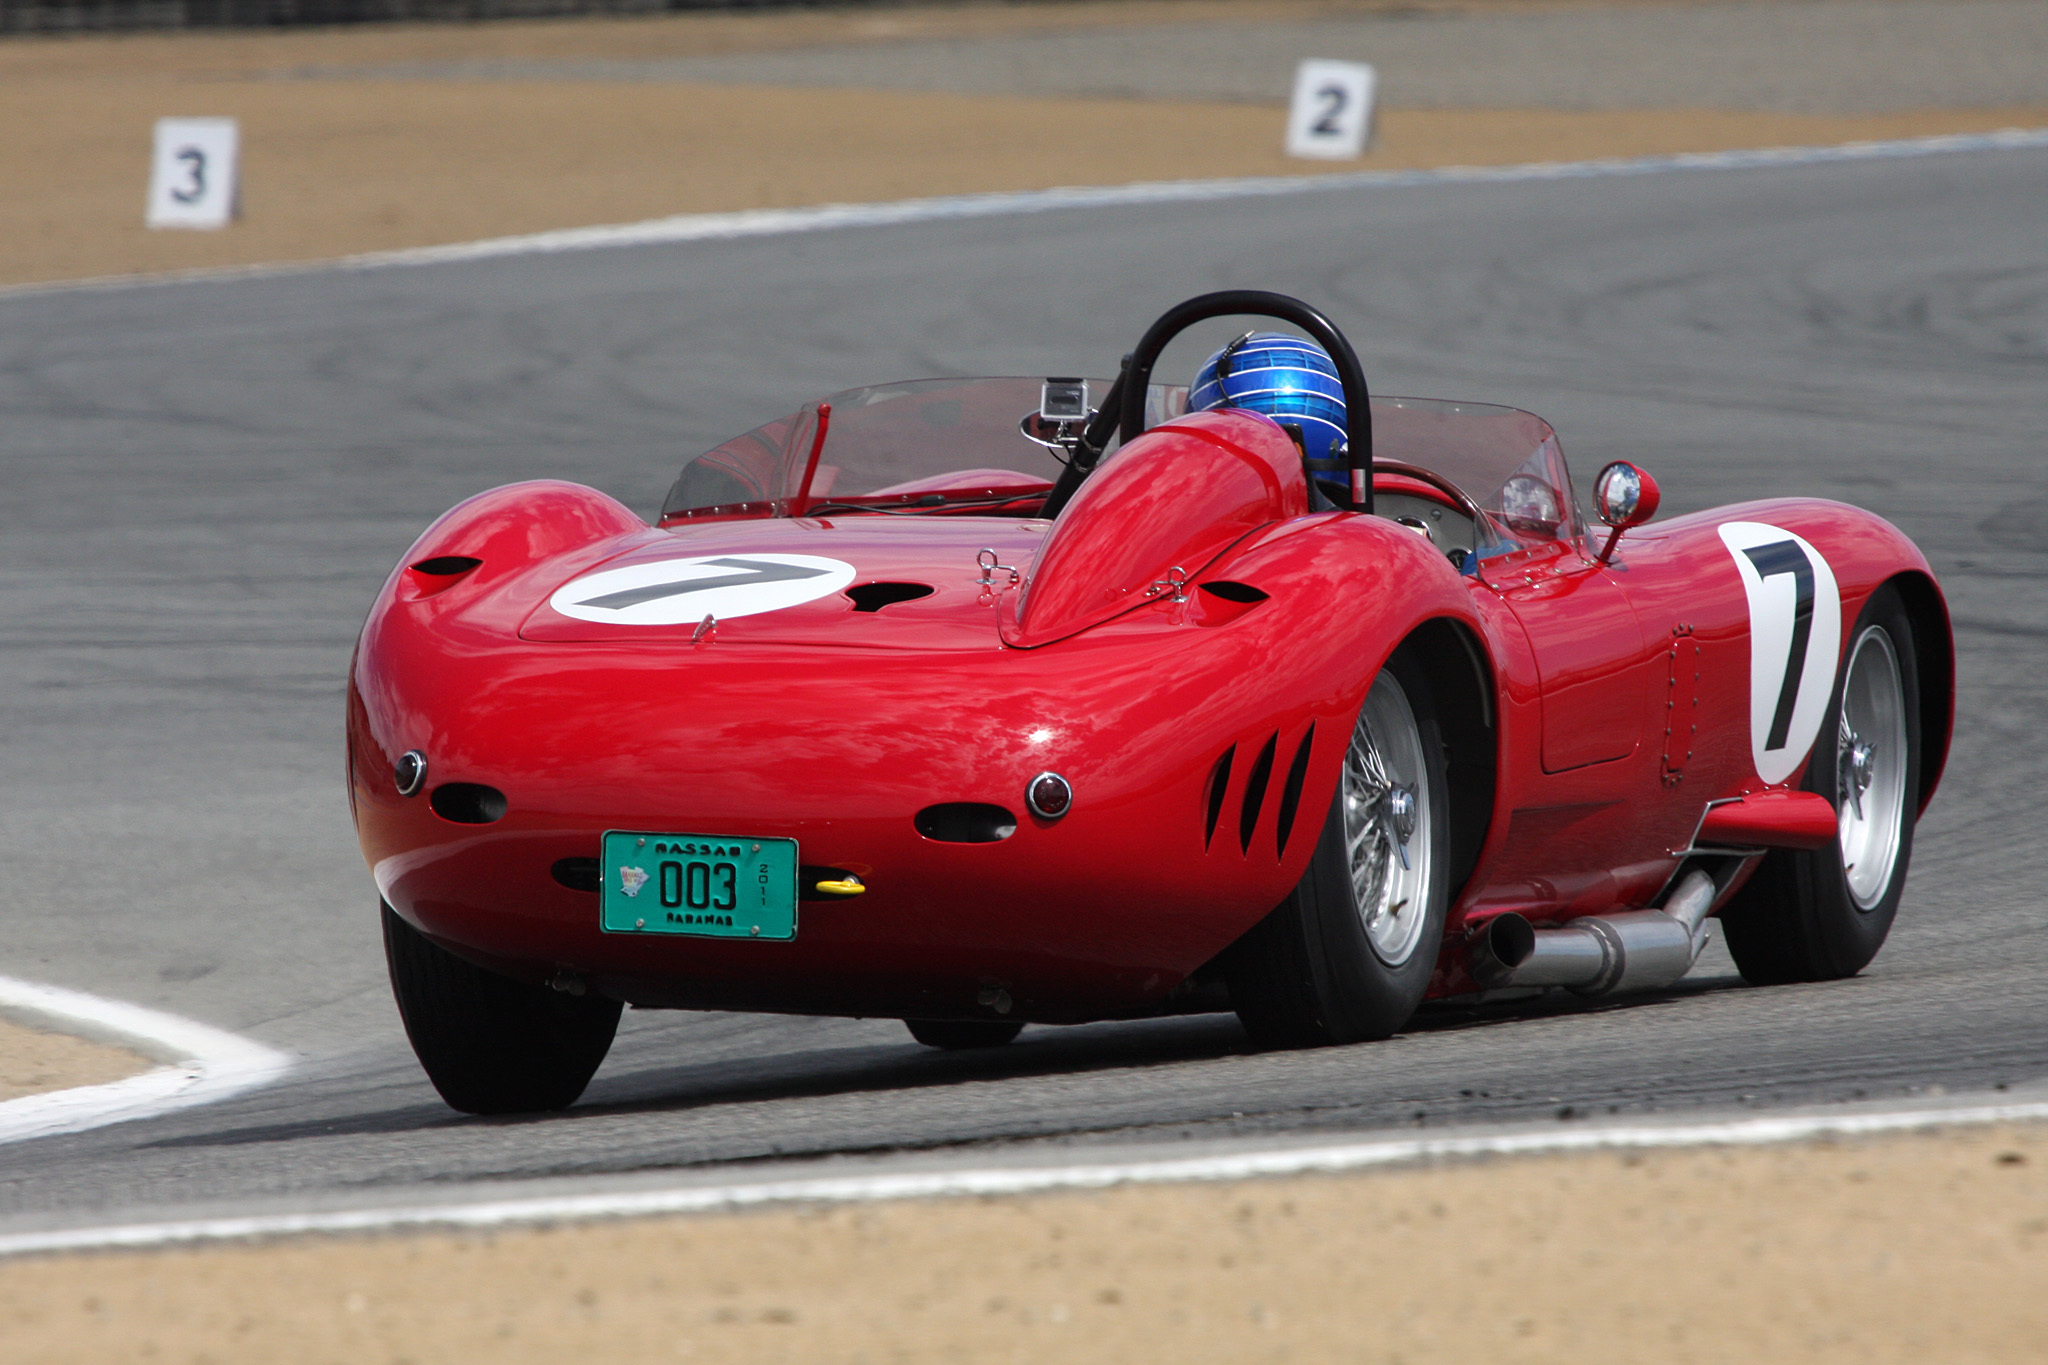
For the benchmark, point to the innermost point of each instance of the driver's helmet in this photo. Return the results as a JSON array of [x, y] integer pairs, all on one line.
[[1287, 378]]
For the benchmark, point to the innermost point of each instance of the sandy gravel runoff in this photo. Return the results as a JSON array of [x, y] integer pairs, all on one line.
[[34, 1060], [1918, 1249]]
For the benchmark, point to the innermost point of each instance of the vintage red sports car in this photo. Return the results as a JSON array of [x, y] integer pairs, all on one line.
[[979, 702]]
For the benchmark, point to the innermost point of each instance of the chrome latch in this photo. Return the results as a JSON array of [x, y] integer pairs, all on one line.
[[1175, 582], [990, 564]]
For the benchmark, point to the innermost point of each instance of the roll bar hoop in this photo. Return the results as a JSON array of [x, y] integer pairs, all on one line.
[[1137, 376]]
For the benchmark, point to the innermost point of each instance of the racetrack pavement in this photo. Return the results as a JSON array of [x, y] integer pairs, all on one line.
[[207, 481]]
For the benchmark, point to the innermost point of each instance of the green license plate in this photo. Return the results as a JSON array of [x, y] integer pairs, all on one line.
[[712, 885]]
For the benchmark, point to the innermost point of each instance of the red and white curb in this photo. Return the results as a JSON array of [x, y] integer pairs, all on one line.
[[513, 1208], [200, 1064]]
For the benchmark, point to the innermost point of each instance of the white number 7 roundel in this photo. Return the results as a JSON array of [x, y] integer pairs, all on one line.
[[1795, 637]]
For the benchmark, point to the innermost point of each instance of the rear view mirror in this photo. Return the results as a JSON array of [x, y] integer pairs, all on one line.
[[1624, 496]]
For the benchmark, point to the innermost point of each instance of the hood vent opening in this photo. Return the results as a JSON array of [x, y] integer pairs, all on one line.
[[437, 575], [965, 822], [1223, 601], [1290, 790], [875, 596], [445, 566], [1219, 783], [1255, 792], [468, 803]]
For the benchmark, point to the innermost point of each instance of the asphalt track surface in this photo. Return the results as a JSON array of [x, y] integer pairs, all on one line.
[[204, 484]]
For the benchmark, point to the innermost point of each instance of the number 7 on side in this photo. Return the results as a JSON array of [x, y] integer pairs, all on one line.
[[1331, 115]]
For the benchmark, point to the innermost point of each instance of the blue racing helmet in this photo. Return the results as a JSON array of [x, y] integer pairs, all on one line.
[[1287, 378]]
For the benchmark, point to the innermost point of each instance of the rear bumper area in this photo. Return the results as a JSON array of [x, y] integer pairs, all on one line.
[[1098, 914]]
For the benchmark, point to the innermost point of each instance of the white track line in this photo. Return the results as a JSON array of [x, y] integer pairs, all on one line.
[[698, 227], [1017, 1179], [204, 1064]]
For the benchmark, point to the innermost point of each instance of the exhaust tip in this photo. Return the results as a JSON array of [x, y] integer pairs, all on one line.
[[1499, 946]]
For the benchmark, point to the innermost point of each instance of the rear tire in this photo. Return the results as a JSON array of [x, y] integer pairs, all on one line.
[[955, 1035], [492, 1045], [1347, 956], [1823, 914]]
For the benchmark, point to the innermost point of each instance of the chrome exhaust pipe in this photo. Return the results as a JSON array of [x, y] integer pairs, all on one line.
[[1632, 951]]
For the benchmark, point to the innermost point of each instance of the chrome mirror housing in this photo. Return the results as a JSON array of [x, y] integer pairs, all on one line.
[[1624, 496]]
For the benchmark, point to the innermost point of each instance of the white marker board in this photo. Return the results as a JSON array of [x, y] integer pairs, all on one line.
[[1331, 114], [193, 175]]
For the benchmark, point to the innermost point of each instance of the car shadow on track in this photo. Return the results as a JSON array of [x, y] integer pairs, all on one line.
[[755, 1059]]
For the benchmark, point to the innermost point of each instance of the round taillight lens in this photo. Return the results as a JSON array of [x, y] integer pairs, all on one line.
[[1049, 796]]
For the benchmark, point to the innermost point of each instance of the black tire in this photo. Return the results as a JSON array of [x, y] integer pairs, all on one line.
[[492, 1045], [1797, 919], [1309, 974], [955, 1035]]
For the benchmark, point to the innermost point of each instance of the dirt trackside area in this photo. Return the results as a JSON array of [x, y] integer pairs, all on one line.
[[1911, 1249], [33, 1060]]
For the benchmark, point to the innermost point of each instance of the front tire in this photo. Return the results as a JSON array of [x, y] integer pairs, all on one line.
[[1347, 956], [492, 1045], [1822, 915]]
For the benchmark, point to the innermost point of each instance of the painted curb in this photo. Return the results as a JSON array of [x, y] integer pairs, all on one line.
[[204, 1064], [699, 227], [1320, 1159]]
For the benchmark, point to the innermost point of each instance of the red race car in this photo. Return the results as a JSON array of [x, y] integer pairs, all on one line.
[[978, 702]]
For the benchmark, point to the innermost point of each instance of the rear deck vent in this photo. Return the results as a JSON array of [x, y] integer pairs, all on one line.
[[1234, 592], [1219, 783], [875, 596], [578, 874], [1255, 792], [1290, 790], [446, 566], [468, 803], [966, 822]]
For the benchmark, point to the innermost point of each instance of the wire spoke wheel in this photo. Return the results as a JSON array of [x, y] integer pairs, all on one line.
[[1349, 954], [1388, 838], [1870, 767], [1822, 914]]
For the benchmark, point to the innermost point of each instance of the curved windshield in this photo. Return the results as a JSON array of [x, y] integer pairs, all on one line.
[[959, 446]]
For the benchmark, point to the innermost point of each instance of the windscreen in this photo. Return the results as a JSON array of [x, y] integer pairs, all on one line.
[[960, 443]]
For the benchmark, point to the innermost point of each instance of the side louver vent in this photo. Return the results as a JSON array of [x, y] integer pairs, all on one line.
[[1290, 790], [1255, 792], [1219, 783]]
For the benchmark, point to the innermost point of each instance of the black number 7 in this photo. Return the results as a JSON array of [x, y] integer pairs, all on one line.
[[1771, 560]]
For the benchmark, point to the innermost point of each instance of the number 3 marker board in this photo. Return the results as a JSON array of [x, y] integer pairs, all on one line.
[[1331, 116], [192, 177]]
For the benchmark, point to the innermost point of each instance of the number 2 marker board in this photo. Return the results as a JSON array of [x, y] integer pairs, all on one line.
[[1331, 115], [193, 174]]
